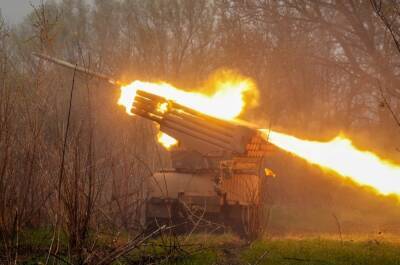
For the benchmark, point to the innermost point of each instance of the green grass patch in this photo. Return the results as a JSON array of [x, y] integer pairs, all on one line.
[[41, 238], [229, 249], [182, 250], [322, 251]]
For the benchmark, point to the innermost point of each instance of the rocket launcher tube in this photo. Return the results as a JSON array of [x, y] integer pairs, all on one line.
[[76, 68], [200, 128], [214, 125], [195, 134], [177, 120], [198, 121], [193, 128]]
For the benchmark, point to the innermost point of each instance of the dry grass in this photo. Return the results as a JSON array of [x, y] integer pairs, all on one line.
[[291, 249]]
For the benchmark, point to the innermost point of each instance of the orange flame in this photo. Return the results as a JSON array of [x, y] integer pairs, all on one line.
[[166, 140], [226, 103], [339, 155]]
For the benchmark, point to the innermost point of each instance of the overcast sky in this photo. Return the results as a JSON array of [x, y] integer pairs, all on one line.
[[15, 10]]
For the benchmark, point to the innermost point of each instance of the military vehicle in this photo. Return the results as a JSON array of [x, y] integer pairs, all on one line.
[[217, 179]]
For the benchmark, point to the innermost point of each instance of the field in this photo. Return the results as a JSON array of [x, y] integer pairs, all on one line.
[[228, 249], [322, 251]]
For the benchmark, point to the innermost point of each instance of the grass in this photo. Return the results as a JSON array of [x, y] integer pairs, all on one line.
[[351, 250], [323, 251], [228, 249], [195, 249]]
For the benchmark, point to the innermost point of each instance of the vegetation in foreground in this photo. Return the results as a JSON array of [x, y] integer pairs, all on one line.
[[228, 249]]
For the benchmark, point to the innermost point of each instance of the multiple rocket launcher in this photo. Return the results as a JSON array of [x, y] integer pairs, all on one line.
[[218, 164]]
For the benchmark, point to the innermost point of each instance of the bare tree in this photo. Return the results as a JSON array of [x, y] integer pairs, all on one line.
[[389, 14]]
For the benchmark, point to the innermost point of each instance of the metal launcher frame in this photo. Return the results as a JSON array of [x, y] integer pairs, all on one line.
[[195, 130], [240, 148]]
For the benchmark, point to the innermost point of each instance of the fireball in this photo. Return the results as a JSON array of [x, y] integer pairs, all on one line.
[[227, 102]]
